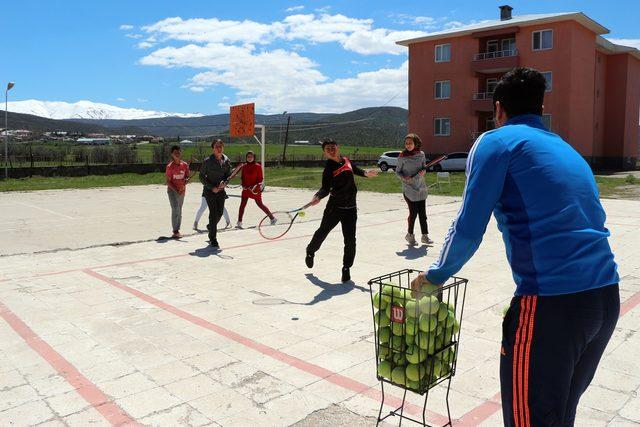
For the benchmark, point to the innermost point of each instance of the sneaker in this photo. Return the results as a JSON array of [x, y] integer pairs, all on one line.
[[214, 244], [346, 274], [228, 224], [411, 239], [176, 235], [195, 225], [239, 225], [309, 260], [426, 240], [274, 220]]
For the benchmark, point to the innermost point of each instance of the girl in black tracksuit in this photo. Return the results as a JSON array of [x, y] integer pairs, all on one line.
[[338, 182]]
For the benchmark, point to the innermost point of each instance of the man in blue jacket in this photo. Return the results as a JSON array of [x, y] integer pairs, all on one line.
[[545, 201]]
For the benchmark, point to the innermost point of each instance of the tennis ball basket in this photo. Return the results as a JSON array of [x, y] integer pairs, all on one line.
[[416, 336]]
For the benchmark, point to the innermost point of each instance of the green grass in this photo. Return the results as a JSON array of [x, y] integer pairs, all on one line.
[[290, 177]]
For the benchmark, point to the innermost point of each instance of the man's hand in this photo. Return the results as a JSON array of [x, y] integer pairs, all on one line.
[[417, 283], [315, 201], [222, 185], [215, 189], [371, 173]]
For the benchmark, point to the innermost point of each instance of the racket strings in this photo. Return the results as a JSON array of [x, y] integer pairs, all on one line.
[[276, 227]]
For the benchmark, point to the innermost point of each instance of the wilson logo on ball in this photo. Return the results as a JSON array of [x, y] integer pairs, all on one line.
[[397, 314]]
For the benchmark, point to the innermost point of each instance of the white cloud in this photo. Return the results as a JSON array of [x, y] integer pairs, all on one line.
[[134, 36], [145, 45], [126, 27], [196, 89], [142, 100], [323, 29], [324, 9], [294, 8], [627, 42], [120, 99], [379, 41]]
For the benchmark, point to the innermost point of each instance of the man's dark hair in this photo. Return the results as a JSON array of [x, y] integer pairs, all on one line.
[[328, 141], [520, 91], [174, 148], [215, 141]]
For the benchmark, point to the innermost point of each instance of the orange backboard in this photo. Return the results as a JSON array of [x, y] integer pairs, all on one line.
[[242, 120]]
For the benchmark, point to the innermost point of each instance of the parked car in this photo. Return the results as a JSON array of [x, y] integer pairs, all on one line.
[[388, 160], [454, 162]]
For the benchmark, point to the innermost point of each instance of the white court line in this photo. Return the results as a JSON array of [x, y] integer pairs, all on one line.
[[45, 210]]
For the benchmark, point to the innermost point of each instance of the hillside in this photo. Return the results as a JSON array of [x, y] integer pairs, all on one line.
[[42, 124]]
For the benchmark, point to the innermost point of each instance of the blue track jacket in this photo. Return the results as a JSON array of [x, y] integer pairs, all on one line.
[[545, 201]]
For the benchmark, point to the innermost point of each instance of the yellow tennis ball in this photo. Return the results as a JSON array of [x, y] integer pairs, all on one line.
[[301, 213]]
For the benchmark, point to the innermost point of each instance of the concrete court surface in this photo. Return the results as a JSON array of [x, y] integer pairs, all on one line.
[[97, 331]]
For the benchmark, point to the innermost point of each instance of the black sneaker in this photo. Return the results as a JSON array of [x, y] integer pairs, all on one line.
[[309, 260], [214, 244], [346, 274]]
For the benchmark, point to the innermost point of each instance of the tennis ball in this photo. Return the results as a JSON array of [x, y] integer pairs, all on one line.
[[384, 351], [413, 385], [384, 369], [428, 288], [301, 213], [415, 354], [397, 343], [411, 326], [409, 339], [439, 330], [387, 291], [411, 308], [382, 319], [428, 323], [384, 334], [504, 310], [425, 341], [397, 328], [429, 304], [437, 368], [415, 372], [443, 311], [398, 375], [399, 359], [378, 301]]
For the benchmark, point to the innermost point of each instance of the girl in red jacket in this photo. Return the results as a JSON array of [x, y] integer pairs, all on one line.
[[252, 187]]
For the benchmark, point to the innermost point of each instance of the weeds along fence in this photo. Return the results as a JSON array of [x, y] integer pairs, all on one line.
[[68, 160]]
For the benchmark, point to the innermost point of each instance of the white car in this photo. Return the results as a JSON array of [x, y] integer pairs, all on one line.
[[454, 162], [388, 160]]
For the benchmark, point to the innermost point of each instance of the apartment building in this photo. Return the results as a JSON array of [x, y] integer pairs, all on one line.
[[593, 85]]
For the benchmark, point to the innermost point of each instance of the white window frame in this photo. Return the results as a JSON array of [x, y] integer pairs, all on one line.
[[497, 43], [504, 40], [435, 89], [441, 120], [441, 46], [549, 87], [547, 115], [533, 37]]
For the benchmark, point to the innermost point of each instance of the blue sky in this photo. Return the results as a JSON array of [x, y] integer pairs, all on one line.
[[199, 56]]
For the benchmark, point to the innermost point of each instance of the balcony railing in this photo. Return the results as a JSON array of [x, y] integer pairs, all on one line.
[[482, 96], [493, 55]]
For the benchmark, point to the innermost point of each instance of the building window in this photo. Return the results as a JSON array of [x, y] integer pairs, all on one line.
[[542, 40], [443, 89], [492, 46], [443, 52], [546, 121], [548, 76], [491, 84], [508, 45], [442, 127]]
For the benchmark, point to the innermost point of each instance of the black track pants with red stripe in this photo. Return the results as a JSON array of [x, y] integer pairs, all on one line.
[[551, 347]]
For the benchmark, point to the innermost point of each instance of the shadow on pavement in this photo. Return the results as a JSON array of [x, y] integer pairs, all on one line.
[[330, 290], [413, 252]]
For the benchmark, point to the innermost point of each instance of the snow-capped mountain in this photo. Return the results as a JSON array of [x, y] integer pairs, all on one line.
[[86, 110]]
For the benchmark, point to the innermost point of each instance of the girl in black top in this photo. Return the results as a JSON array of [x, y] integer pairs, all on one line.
[[338, 182]]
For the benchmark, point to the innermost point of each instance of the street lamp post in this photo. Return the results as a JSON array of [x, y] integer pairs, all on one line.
[[6, 130]]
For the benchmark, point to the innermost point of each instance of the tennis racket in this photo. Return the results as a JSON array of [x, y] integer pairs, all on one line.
[[430, 164], [255, 189], [272, 229]]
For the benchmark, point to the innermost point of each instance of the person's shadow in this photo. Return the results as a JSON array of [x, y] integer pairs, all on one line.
[[208, 251], [330, 290], [165, 239], [414, 252]]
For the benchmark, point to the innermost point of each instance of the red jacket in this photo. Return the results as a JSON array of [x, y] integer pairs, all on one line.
[[251, 175]]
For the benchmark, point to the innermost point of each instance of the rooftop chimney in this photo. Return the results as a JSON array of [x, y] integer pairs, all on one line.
[[505, 12]]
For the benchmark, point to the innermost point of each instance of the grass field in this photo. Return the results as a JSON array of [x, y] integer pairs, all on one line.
[[295, 178]]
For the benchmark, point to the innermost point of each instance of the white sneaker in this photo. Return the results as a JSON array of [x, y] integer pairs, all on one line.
[[274, 220], [410, 239], [426, 240], [239, 225], [228, 224], [195, 225]]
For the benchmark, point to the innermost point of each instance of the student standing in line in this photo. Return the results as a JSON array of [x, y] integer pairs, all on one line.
[[177, 177], [410, 170]]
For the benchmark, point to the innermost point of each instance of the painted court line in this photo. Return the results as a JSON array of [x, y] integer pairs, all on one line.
[[44, 210], [310, 368], [82, 385]]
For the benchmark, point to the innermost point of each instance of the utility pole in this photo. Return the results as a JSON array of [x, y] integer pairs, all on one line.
[[6, 130], [286, 139]]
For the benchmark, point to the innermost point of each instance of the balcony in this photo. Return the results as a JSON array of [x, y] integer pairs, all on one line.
[[495, 62], [482, 101]]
